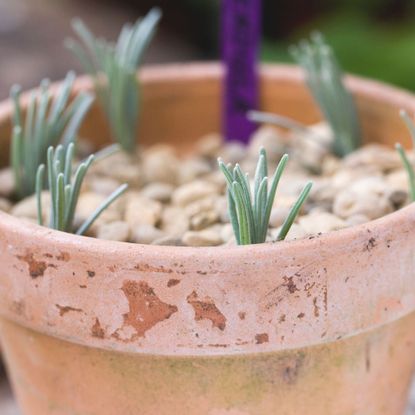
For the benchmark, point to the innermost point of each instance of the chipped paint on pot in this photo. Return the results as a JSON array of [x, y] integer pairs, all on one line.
[[316, 326]]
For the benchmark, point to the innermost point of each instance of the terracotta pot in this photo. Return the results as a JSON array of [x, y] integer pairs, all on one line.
[[320, 326]]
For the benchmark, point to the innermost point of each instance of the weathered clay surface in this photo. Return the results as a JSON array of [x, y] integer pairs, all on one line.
[[363, 374], [319, 326]]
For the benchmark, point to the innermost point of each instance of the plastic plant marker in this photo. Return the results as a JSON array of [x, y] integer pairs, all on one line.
[[241, 33]]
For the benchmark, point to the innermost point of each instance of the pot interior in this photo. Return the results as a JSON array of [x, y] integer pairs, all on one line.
[[181, 103]]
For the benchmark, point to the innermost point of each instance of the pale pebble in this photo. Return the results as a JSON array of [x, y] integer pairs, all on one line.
[[201, 205], [226, 232], [323, 191], [379, 156], [398, 198], [206, 237], [321, 222], [168, 241], [233, 152], [291, 185], [330, 165], [146, 234], [192, 168], [103, 185], [209, 145], [160, 164], [131, 175], [217, 179], [358, 219], [88, 202], [269, 138], [203, 219], [174, 221], [296, 232], [140, 210], [114, 231], [312, 146], [278, 215], [121, 167], [193, 191], [347, 177], [5, 205], [27, 208], [368, 196], [6, 182], [158, 191], [398, 180]]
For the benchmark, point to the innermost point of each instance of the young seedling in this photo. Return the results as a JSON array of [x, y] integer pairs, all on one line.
[[64, 189], [324, 78], [404, 157], [114, 71], [47, 123], [250, 214]]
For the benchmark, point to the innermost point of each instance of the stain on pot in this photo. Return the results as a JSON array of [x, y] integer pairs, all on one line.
[[145, 309], [316, 307], [292, 367], [308, 288], [261, 338], [290, 285], [63, 256], [367, 357], [205, 309], [172, 282], [66, 309], [97, 330], [151, 268], [18, 307], [91, 274], [36, 268], [371, 243]]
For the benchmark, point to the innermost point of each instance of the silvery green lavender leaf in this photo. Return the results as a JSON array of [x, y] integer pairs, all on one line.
[[324, 78], [47, 122], [65, 187], [250, 213], [114, 70], [404, 157]]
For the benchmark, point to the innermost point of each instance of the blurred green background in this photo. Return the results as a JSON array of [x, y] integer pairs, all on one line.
[[373, 38]]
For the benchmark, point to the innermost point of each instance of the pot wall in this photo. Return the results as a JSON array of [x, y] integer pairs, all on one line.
[[366, 374], [322, 326]]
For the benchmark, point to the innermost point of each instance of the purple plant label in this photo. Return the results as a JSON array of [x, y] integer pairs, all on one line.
[[241, 34]]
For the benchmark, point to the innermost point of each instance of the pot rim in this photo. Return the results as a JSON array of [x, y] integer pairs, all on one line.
[[197, 70]]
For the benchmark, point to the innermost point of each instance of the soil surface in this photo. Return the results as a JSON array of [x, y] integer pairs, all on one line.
[[173, 200]]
